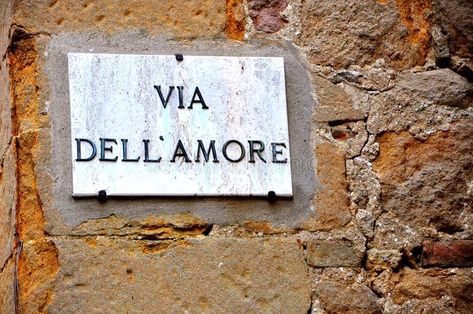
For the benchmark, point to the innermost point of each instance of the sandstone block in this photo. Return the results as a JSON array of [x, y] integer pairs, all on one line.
[[211, 275], [332, 253], [181, 18], [425, 184], [456, 253]]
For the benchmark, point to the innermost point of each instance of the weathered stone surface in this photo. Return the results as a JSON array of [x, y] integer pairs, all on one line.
[[456, 253], [5, 18], [235, 13], [7, 287], [181, 18], [211, 275], [331, 202], [440, 45], [332, 253], [152, 227], [37, 268], [7, 204], [439, 87], [434, 291], [420, 101], [344, 33], [379, 260], [426, 184], [333, 102], [266, 14], [390, 233], [455, 18], [336, 297]]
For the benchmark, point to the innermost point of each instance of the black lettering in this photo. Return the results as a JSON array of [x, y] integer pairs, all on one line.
[[181, 97], [242, 151], [160, 93], [94, 149], [278, 152], [205, 153], [254, 150], [125, 151], [103, 149], [146, 143], [180, 152], [200, 101]]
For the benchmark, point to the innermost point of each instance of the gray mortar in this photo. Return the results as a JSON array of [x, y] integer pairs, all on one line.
[[64, 212]]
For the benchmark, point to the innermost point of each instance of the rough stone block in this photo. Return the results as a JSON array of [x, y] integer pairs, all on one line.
[[210, 275], [456, 253], [426, 183], [454, 16], [336, 297], [332, 253], [432, 291]]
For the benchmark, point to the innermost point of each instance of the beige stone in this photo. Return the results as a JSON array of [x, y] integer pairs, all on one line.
[[333, 102], [332, 253], [344, 33], [209, 275], [7, 204], [7, 287], [181, 18]]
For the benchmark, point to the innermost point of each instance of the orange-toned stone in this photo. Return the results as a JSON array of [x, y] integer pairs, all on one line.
[[426, 183], [331, 202]]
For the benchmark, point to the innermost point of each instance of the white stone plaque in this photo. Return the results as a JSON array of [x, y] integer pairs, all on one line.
[[150, 125]]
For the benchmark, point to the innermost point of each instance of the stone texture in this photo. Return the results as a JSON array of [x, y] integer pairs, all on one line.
[[7, 287], [205, 18], [344, 33], [333, 102], [456, 253], [7, 204], [266, 14], [426, 184], [420, 102], [331, 202], [332, 253], [211, 275], [337, 297], [379, 260], [454, 16], [434, 291]]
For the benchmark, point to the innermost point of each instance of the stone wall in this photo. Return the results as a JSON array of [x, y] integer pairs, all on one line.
[[380, 102]]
